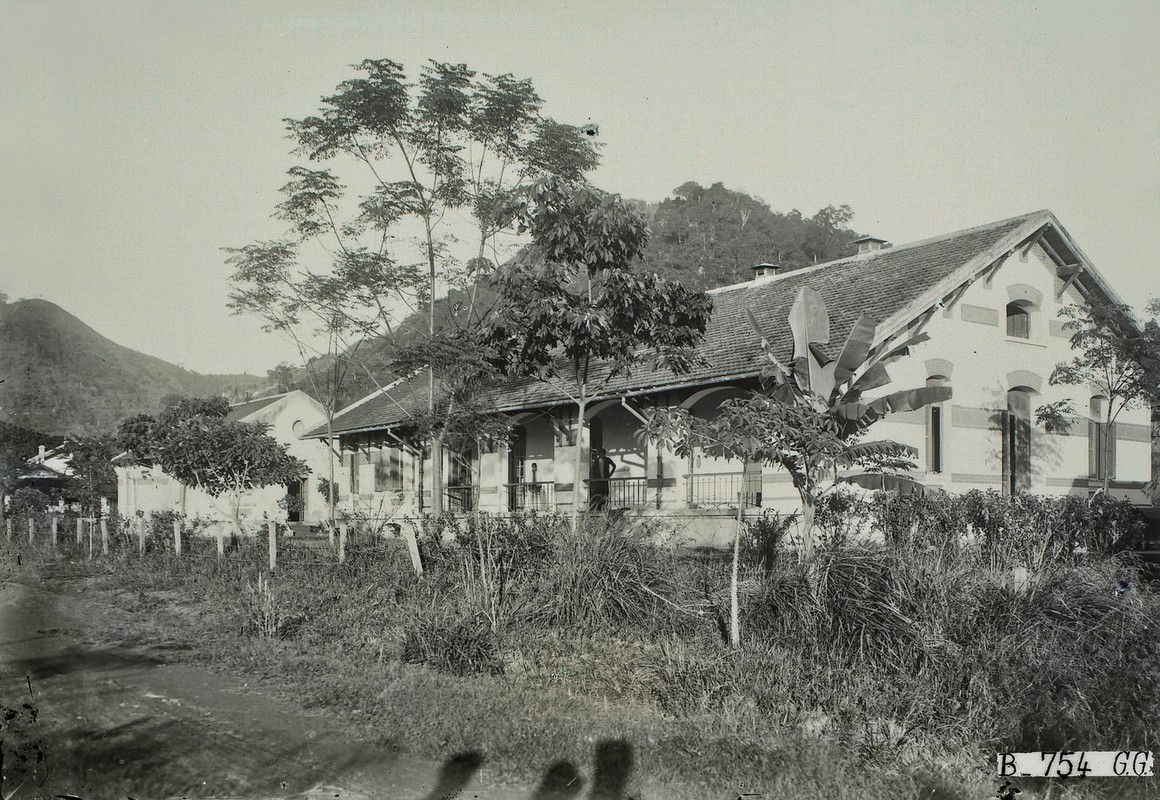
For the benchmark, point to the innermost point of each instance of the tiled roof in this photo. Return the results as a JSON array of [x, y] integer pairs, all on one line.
[[882, 283], [239, 411]]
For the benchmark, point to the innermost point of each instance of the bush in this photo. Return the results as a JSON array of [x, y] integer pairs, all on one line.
[[27, 502], [608, 573], [443, 638], [763, 540]]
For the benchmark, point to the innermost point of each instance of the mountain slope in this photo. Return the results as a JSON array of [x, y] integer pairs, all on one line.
[[60, 376]]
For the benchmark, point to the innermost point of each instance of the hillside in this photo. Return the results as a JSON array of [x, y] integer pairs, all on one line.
[[60, 376]]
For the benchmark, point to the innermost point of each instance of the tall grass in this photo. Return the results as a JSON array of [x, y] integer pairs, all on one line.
[[968, 625]]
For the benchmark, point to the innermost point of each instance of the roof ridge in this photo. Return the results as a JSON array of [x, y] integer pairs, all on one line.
[[270, 397], [869, 256]]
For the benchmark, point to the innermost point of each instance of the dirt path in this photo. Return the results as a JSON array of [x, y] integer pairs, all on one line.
[[95, 722]]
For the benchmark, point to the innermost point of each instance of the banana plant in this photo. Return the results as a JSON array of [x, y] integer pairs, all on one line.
[[836, 386]]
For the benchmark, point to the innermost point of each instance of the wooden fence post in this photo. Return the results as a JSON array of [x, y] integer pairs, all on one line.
[[272, 530], [104, 536], [141, 535], [413, 549], [220, 533], [92, 524], [8, 527], [31, 530], [177, 537], [342, 543], [55, 521], [80, 522]]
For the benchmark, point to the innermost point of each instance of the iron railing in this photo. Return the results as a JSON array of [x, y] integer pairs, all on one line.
[[461, 499], [617, 493], [722, 489], [535, 496]]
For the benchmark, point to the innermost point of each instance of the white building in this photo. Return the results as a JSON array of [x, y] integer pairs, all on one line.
[[988, 297], [289, 415]]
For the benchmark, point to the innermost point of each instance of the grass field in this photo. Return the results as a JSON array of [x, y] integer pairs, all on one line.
[[872, 670]]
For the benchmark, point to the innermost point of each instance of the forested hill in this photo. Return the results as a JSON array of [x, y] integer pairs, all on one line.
[[707, 237], [59, 376]]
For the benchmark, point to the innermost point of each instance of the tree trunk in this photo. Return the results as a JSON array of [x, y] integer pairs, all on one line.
[[437, 476], [578, 483], [806, 527], [1106, 443], [330, 465], [734, 599]]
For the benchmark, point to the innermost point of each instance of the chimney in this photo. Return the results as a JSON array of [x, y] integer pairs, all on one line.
[[40, 455], [762, 271], [867, 244]]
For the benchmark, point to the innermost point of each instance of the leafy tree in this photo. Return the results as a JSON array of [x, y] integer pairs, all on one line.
[[90, 459], [452, 142], [711, 236], [1116, 358], [312, 308], [192, 441], [577, 316], [809, 419], [461, 419]]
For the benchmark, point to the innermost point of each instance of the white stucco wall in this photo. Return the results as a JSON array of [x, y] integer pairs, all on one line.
[[970, 346], [149, 489]]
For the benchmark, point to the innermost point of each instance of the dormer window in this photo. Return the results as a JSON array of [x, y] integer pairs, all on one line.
[[1018, 321]]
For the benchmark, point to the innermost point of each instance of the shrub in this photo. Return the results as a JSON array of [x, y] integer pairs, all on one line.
[[444, 638], [608, 572], [27, 502], [763, 539]]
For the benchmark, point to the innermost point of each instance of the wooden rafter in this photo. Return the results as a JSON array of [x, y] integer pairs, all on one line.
[[1056, 257], [954, 297], [1032, 241], [993, 267], [1069, 273]]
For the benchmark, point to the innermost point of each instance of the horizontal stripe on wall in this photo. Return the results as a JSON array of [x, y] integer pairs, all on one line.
[[973, 477], [979, 418], [1131, 432], [979, 314], [1128, 484], [1071, 483], [908, 417]]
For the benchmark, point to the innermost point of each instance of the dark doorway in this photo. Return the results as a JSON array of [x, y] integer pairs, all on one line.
[[294, 502]]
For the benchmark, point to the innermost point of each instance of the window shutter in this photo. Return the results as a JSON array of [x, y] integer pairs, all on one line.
[[1022, 453], [1005, 427], [930, 423], [1093, 449]]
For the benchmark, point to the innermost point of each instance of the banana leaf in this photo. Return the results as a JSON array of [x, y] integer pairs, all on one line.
[[808, 321], [885, 481], [856, 348]]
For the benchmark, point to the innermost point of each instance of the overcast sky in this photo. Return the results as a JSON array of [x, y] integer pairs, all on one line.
[[137, 139]]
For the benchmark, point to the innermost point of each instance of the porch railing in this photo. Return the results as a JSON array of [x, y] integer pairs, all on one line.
[[722, 489], [534, 496], [617, 493], [461, 499]]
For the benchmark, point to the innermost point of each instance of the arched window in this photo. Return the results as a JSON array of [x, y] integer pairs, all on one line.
[[935, 422], [1018, 320], [1017, 441]]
